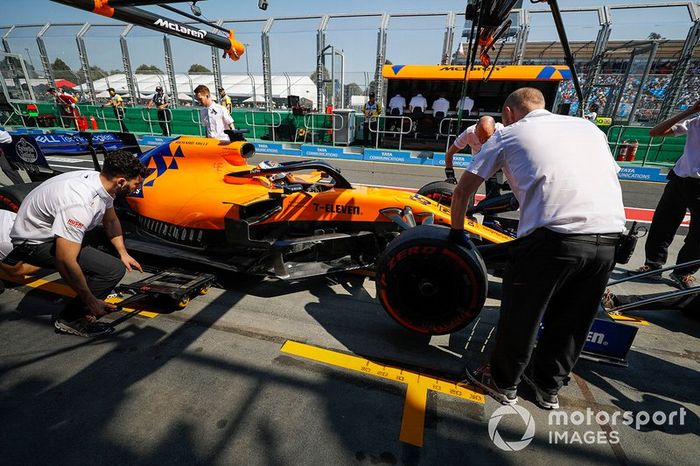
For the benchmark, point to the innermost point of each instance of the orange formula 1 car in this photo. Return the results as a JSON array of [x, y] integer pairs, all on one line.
[[203, 202]]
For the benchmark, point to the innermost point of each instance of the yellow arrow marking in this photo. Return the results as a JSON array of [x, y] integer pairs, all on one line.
[[628, 319], [61, 289], [413, 421]]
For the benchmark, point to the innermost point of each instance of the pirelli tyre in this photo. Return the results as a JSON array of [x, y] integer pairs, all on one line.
[[12, 196], [438, 191], [429, 284]]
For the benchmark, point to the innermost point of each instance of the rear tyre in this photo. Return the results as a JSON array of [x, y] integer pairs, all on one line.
[[438, 191], [11, 197], [430, 285]]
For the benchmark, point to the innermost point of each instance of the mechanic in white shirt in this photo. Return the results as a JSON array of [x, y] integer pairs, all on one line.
[[563, 174], [397, 102], [682, 192], [468, 104], [50, 227], [474, 136], [592, 112], [418, 101], [441, 104], [215, 118]]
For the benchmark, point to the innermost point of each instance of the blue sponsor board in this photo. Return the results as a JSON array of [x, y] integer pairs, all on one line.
[[398, 156], [641, 174], [275, 148], [328, 152], [25, 131], [608, 340], [457, 161], [155, 140]]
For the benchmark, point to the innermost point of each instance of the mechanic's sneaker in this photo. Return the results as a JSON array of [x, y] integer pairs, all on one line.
[[545, 399], [682, 280], [644, 269], [481, 377], [82, 327]]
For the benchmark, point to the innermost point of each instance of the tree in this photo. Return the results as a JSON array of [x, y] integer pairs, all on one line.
[[61, 70], [145, 69], [197, 68], [95, 73], [654, 36]]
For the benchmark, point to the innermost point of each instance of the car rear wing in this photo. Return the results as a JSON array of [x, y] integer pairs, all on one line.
[[27, 153]]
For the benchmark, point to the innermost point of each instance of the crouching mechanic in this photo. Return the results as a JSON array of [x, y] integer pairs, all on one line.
[[474, 136], [50, 228], [563, 174]]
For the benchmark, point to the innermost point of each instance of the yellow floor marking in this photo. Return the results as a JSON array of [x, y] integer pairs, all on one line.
[[61, 289], [628, 319], [412, 423]]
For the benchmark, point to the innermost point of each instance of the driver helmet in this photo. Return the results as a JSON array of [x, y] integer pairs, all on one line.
[[273, 177]]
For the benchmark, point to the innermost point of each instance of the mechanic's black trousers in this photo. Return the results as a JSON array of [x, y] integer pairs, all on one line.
[[119, 115], [102, 271], [680, 194], [558, 279]]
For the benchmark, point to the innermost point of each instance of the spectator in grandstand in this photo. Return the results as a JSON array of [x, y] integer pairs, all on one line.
[[418, 101], [117, 103], [682, 193], [162, 103], [371, 110], [441, 104], [224, 100], [68, 109], [215, 118], [474, 136], [466, 105], [397, 104]]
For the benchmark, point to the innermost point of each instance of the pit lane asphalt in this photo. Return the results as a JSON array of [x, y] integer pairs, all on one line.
[[209, 384]]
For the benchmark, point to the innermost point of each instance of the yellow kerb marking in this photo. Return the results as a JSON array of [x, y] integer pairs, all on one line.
[[413, 421], [61, 289]]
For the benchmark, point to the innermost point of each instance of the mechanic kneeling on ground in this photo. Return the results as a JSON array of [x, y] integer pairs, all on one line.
[[563, 174], [50, 228]]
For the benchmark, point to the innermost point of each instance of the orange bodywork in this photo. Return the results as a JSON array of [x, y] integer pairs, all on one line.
[[189, 187]]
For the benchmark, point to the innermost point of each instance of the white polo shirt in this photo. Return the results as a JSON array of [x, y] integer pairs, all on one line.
[[561, 171], [468, 137], [216, 119], [688, 166], [399, 102], [441, 105], [468, 104], [7, 219], [418, 101], [66, 205]]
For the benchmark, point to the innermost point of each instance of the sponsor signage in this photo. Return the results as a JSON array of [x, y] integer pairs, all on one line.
[[641, 174], [329, 152], [457, 161], [398, 156], [275, 148]]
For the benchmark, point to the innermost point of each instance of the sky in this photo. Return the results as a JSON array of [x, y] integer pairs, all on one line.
[[292, 43]]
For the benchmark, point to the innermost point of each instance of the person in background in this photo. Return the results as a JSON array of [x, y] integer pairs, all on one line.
[[371, 110], [224, 100], [67, 107], [418, 101], [117, 104], [215, 118], [466, 104], [441, 104], [571, 219], [162, 103], [398, 103], [592, 112], [682, 192]]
